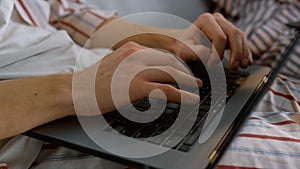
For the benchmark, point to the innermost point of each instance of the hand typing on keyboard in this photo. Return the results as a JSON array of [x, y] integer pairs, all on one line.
[[222, 34], [181, 138], [135, 71]]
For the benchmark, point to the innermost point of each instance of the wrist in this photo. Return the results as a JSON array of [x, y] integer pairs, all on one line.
[[63, 89]]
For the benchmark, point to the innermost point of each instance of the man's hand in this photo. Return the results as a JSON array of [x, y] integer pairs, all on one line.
[[223, 34], [153, 69]]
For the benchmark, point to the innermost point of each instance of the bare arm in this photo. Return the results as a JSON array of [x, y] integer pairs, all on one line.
[[29, 102], [223, 35], [119, 30]]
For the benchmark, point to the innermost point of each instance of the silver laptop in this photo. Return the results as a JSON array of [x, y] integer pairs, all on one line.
[[211, 127]]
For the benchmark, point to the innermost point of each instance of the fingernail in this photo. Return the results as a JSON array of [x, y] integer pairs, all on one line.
[[200, 83], [250, 61]]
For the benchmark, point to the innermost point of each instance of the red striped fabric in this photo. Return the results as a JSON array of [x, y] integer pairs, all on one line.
[[270, 137], [288, 80], [71, 26], [80, 20], [275, 123], [27, 12], [287, 96], [3, 166], [66, 9], [96, 15]]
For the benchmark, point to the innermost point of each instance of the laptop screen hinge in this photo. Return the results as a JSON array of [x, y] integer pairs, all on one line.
[[212, 156], [265, 79]]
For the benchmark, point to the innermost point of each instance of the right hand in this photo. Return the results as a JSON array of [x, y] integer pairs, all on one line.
[[223, 35], [158, 68]]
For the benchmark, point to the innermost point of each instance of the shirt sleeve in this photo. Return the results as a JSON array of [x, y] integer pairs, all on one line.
[[78, 18]]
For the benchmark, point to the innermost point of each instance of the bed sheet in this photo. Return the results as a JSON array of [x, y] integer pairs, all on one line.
[[270, 138]]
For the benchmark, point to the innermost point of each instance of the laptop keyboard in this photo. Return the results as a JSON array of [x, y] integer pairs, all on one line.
[[146, 131]]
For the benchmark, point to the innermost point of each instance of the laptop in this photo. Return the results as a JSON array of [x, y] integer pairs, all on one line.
[[198, 147]]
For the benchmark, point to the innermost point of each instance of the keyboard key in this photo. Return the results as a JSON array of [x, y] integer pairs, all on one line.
[[181, 132], [172, 141], [169, 111], [143, 104], [194, 135], [184, 148], [156, 140], [203, 107], [119, 124], [173, 106], [207, 101], [202, 113], [129, 130], [145, 132], [163, 132]]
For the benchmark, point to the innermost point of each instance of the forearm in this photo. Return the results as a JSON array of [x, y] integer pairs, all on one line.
[[29, 102], [116, 32]]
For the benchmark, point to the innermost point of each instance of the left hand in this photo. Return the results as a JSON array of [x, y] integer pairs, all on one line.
[[223, 35]]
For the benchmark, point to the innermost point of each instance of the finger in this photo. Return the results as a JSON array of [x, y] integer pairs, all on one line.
[[209, 26], [250, 57], [172, 94], [167, 74], [247, 59], [151, 57], [214, 59], [237, 42]]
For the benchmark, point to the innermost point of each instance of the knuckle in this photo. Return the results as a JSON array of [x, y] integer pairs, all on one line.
[[132, 50], [205, 16], [237, 32], [167, 89], [218, 15], [170, 70], [131, 47], [126, 51], [171, 58], [243, 34], [131, 44]]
